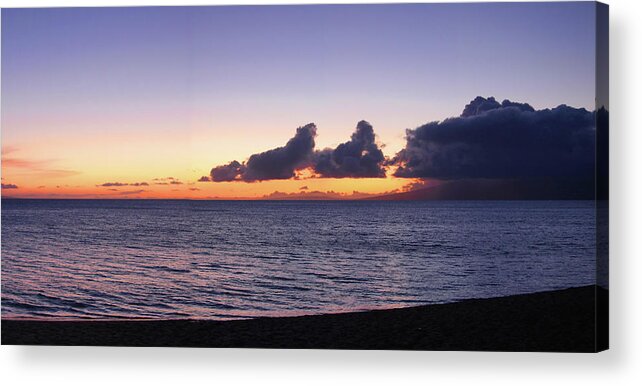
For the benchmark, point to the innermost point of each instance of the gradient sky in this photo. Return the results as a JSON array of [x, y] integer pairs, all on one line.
[[96, 95]]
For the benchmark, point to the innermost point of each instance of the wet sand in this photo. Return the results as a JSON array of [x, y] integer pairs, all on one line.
[[563, 320]]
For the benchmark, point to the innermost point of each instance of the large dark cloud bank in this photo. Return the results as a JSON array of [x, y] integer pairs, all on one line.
[[507, 140]]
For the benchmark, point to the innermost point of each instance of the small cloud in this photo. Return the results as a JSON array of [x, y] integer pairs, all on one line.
[[9, 186], [194, 189], [303, 188], [167, 181], [129, 192], [316, 195], [204, 179], [106, 184], [118, 184]]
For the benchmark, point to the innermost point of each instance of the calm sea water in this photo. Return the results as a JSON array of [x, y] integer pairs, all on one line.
[[220, 260]]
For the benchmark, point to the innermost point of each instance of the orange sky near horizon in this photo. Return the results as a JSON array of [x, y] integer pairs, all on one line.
[[79, 154], [153, 172]]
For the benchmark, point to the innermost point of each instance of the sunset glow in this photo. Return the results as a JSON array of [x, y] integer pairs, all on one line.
[[135, 95]]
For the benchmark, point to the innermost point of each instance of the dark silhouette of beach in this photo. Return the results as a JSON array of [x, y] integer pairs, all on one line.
[[574, 320]]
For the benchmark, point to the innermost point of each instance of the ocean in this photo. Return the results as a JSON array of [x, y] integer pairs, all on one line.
[[241, 259]]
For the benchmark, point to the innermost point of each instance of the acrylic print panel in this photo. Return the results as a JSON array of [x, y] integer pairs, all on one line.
[[399, 176]]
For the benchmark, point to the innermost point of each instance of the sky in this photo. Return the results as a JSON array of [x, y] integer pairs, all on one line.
[[143, 102]]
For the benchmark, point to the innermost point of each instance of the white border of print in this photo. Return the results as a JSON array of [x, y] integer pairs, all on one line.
[[620, 365]]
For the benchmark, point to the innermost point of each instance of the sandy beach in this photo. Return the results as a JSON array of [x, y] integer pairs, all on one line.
[[561, 320]]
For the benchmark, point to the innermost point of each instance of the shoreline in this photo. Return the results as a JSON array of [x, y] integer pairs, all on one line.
[[561, 320]]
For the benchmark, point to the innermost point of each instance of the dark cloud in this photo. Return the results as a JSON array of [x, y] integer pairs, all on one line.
[[358, 158], [304, 188], [521, 106], [281, 163], [276, 164], [507, 140], [480, 105], [9, 186], [228, 172], [204, 179], [118, 184]]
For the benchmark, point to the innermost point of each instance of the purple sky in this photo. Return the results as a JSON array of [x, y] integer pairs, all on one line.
[[298, 61]]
